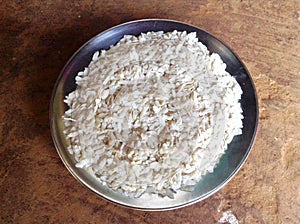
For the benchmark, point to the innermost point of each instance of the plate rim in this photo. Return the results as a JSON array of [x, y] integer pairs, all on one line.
[[82, 182]]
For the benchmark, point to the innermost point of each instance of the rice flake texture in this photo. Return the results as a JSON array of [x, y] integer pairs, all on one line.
[[154, 113]]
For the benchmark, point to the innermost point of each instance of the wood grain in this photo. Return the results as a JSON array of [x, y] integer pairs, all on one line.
[[38, 37]]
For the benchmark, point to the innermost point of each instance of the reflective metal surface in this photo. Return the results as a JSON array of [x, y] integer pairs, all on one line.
[[230, 162]]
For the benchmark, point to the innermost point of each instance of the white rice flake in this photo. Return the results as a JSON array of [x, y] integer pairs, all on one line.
[[228, 217], [153, 113]]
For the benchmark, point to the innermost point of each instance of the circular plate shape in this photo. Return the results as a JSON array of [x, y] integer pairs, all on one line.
[[236, 154]]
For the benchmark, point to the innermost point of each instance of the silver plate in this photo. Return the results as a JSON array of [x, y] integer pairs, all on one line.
[[236, 154]]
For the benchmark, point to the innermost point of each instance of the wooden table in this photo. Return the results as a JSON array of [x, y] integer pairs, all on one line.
[[38, 37]]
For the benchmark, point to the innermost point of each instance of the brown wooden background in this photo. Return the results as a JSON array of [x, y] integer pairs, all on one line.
[[38, 37]]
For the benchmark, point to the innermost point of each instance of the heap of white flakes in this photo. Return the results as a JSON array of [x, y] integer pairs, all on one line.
[[154, 113]]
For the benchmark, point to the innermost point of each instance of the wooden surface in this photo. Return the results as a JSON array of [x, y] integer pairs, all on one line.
[[38, 37]]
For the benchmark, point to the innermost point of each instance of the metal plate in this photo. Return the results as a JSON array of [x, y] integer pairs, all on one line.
[[230, 162]]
